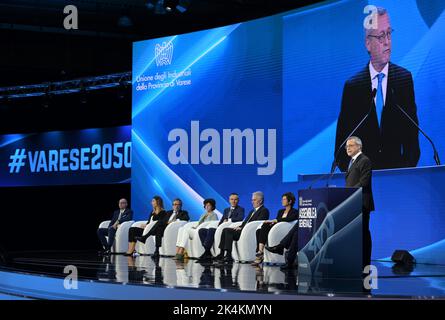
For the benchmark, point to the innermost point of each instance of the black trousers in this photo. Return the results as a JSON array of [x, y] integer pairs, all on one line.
[[102, 233], [367, 241], [158, 232], [227, 237], [290, 242], [133, 233], [262, 234], [207, 237]]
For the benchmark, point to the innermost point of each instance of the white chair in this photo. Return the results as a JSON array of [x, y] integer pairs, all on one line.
[[168, 267], [168, 247], [244, 250], [246, 277], [215, 249], [120, 244], [195, 248], [149, 246], [273, 275], [276, 234], [121, 268]]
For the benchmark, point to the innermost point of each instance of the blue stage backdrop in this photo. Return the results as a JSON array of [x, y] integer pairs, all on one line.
[[91, 156], [253, 106]]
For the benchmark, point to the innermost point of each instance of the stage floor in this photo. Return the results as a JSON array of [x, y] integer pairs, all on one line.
[[267, 282]]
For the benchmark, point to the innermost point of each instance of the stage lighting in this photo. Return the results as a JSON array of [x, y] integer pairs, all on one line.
[[170, 5]]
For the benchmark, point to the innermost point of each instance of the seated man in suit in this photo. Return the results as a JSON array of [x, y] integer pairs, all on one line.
[[234, 213], [119, 216], [158, 229], [259, 212]]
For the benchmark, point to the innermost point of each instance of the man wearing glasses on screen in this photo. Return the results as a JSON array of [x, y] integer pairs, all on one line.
[[390, 139]]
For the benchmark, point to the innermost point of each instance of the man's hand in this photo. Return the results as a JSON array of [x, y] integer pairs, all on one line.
[[115, 225], [237, 228]]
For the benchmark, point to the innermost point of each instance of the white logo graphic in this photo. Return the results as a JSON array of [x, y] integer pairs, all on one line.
[[371, 280], [164, 54], [70, 281]]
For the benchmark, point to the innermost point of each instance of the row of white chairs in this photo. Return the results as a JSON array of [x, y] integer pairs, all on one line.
[[243, 250]]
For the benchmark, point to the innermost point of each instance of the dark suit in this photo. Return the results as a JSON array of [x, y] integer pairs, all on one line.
[[230, 234], [207, 236], [127, 215], [396, 143], [359, 175], [182, 215]]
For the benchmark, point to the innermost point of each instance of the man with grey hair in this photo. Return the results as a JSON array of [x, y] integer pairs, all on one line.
[[121, 215], [259, 212], [359, 176], [390, 139]]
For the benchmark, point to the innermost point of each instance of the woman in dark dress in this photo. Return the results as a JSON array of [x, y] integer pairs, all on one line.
[[287, 214], [157, 213]]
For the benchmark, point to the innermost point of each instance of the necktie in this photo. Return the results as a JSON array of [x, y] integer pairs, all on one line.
[[379, 100], [173, 216], [251, 215], [230, 213], [350, 164], [120, 214]]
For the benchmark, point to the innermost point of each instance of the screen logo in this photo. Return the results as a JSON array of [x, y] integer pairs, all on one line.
[[164, 54]]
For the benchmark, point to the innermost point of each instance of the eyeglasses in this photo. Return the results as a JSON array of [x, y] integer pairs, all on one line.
[[383, 35]]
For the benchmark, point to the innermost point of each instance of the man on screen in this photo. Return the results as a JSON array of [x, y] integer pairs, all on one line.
[[390, 139]]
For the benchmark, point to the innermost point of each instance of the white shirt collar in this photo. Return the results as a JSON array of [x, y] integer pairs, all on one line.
[[374, 73], [356, 156]]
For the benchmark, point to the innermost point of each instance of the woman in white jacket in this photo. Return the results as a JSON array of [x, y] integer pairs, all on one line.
[[186, 231]]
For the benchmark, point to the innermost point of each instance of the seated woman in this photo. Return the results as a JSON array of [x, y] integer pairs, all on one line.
[[288, 214], [185, 231], [134, 233]]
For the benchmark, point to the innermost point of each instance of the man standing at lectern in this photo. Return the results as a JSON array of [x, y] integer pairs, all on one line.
[[359, 176], [389, 137]]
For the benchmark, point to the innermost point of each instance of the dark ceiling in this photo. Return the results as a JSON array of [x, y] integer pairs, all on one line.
[[37, 49]]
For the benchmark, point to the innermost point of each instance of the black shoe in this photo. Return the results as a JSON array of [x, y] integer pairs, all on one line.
[[140, 239], [278, 249], [205, 258], [228, 259], [219, 257], [156, 254]]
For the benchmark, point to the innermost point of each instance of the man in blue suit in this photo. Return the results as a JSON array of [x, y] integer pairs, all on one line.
[[119, 216], [234, 213]]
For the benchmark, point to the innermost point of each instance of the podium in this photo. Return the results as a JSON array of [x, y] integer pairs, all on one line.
[[330, 239]]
